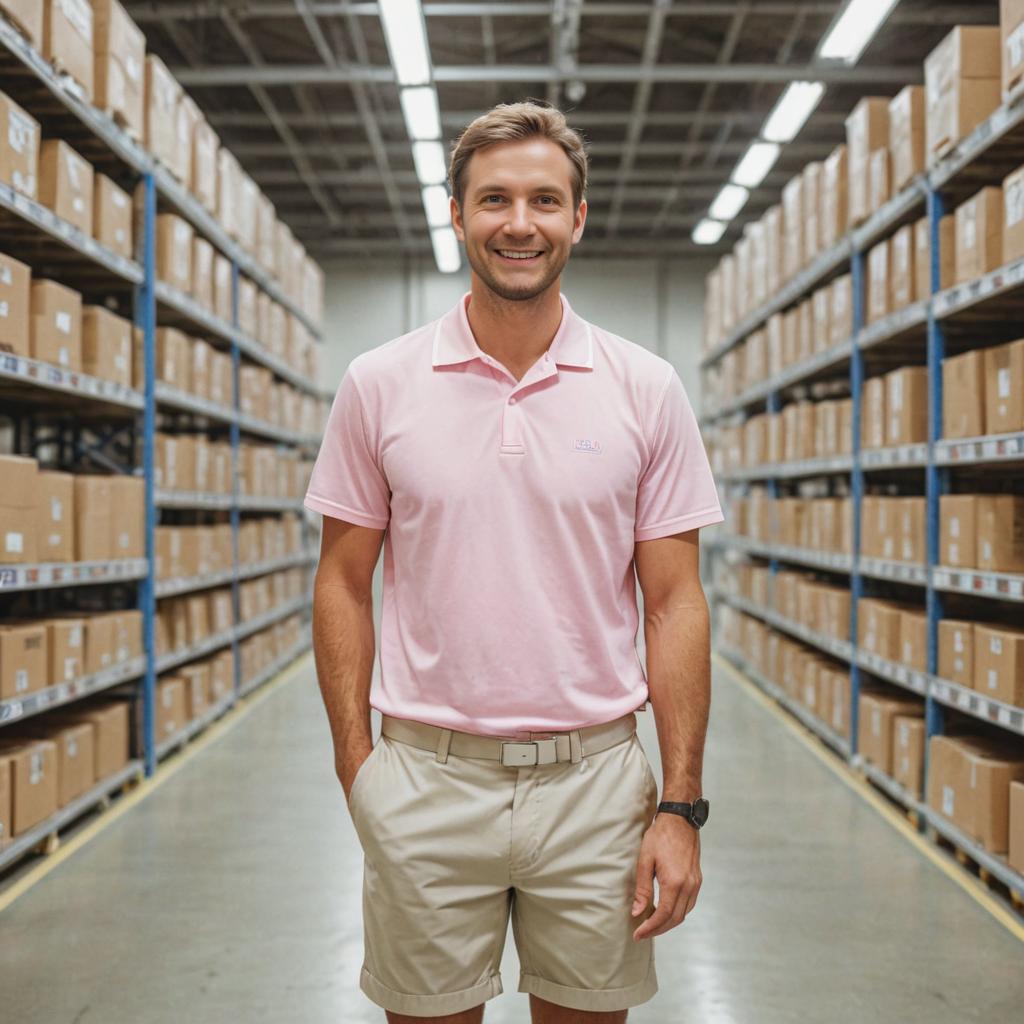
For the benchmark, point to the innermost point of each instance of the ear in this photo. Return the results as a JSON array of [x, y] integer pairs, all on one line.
[[581, 218], [456, 219]]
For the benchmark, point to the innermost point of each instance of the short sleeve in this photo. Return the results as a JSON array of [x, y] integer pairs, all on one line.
[[677, 490], [347, 481]]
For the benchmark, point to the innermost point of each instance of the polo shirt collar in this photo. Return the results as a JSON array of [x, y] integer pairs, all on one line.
[[572, 345]]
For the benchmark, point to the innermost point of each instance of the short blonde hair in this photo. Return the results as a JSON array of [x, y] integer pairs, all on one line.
[[510, 122]]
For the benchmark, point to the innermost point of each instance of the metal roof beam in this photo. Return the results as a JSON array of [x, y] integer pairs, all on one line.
[[291, 74]]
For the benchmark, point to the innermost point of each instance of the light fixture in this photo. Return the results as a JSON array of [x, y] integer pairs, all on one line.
[[446, 250], [794, 107], [436, 205], [729, 201], [406, 35], [429, 160], [758, 160], [853, 29], [708, 231], [420, 109]]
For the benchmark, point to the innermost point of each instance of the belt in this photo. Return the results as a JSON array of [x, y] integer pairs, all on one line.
[[548, 748]]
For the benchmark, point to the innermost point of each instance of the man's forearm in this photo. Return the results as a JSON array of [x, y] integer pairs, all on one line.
[[343, 644], [678, 641]]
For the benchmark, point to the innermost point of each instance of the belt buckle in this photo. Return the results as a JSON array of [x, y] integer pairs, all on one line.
[[516, 753]]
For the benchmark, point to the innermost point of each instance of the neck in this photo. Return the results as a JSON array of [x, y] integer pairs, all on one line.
[[517, 334]]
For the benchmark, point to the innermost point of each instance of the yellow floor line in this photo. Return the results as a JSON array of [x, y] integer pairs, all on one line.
[[165, 771], [970, 885]]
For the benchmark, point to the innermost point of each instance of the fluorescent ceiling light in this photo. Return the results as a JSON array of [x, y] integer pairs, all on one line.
[[758, 160], [446, 250], [429, 160], [708, 231], [422, 116], [853, 29], [435, 203], [406, 34], [728, 202], [794, 107]]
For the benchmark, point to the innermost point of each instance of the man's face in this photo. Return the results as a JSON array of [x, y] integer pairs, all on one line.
[[517, 217]]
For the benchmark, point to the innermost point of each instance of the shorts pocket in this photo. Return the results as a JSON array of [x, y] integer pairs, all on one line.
[[649, 779], [361, 773]]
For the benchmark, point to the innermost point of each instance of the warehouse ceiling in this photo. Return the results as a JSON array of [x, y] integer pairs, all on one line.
[[667, 93]]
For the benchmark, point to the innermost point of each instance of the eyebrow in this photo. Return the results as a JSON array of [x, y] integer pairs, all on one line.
[[502, 188]]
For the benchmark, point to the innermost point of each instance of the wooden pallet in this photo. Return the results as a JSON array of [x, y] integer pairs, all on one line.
[[968, 863]]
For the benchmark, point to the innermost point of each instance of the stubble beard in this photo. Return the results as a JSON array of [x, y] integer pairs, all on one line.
[[524, 292]]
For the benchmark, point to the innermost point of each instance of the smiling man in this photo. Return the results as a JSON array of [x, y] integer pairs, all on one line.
[[522, 469]]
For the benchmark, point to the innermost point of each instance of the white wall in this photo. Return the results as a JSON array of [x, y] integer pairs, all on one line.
[[655, 303]]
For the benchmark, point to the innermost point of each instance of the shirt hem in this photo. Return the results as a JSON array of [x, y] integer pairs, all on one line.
[[680, 524], [336, 511]]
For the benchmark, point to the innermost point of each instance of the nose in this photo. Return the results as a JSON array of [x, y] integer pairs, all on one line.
[[520, 220]]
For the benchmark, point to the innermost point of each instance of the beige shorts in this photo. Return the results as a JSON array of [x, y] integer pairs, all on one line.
[[454, 844]]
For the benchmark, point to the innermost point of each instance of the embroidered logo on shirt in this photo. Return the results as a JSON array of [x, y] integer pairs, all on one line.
[[583, 445]]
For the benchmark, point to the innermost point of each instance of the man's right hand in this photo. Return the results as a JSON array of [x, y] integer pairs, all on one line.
[[347, 768]]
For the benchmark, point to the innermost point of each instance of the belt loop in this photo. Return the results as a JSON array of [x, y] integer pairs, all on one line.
[[442, 746], [575, 747]]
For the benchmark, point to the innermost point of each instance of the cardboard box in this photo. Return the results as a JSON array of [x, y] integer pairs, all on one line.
[[792, 224], [23, 659], [913, 642], [68, 40], [54, 517], [841, 322], [65, 645], [171, 707], [877, 711], [963, 394], [100, 642], [1004, 388], [174, 251], [956, 651], [222, 676], [812, 179], [197, 613], [112, 216], [56, 335], [999, 663], [979, 234], [19, 157], [205, 145], [66, 184], [923, 255], [841, 703], [186, 117], [878, 627], [228, 175], [874, 422], [867, 130], [120, 48], [173, 358], [202, 272], [15, 306], [106, 345], [990, 772], [901, 267], [128, 635], [911, 519], [76, 758], [222, 301], [1000, 537], [1015, 857], [128, 516], [908, 753], [27, 15], [112, 739], [32, 765], [18, 514], [93, 525], [197, 688], [162, 92], [1011, 26], [5, 803], [907, 135], [958, 530], [879, 303], [962, 85], [906, 405], [879, 179], [1013, 216]]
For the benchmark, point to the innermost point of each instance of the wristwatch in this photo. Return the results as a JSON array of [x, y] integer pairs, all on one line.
[[696, 813]]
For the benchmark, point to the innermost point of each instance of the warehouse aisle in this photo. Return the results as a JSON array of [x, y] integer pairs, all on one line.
[[233, 893]]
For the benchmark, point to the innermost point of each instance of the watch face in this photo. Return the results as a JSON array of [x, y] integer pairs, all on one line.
[[700, 812]]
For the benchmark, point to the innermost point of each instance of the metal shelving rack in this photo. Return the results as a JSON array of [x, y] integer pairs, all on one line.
[[986, 155], [75, 258]]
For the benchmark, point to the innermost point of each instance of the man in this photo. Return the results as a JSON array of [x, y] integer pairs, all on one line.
[[522, 469]]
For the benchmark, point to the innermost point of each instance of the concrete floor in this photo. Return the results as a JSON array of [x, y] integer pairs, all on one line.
[[232, 893]]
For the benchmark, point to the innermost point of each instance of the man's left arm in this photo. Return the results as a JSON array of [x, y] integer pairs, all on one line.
[[677, 636]]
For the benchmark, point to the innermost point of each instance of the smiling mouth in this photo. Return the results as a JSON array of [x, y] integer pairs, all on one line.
[[518, 254]]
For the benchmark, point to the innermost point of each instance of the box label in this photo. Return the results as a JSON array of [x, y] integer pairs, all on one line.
[[69, 669], [56, 510], [1015, 46], [1003, 382], [20, 680], [993, 679], [21, 131], [14, 543], [35, 768], [1014, 199], [62, 320], [947, 801]]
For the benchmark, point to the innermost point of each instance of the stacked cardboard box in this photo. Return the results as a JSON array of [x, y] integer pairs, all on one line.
[[188, 620], [982, 531], [186, 552]]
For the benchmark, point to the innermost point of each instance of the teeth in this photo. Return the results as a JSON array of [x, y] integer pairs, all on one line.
[[513, 255]]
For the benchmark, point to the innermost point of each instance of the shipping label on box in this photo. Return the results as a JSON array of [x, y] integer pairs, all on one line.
[[956, 651], [958, 523], [19, 149]]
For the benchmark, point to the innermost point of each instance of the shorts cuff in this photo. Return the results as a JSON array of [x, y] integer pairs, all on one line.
[[591, 999], [428, 1005]]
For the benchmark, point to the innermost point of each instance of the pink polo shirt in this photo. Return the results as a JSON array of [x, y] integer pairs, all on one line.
[[512, 508]]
